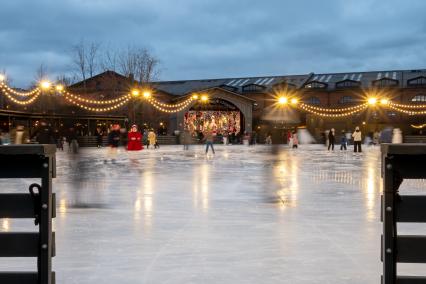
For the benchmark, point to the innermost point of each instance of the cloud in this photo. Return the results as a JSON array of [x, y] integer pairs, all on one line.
[[211, 39]]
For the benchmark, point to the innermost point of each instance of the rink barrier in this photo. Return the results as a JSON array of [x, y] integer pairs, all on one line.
[[399, 162], [29, 161]]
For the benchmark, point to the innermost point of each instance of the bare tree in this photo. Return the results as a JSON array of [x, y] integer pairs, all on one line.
[[109, 60], [91, 58], [79, 60], [138, 62]]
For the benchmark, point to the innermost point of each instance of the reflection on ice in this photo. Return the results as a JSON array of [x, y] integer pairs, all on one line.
[[168, 216]]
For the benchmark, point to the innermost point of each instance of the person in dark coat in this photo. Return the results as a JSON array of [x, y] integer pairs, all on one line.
[[331, 139], [99, 136], [44, 134]]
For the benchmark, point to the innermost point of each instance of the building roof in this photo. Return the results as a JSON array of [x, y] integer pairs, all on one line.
[[236, 84]]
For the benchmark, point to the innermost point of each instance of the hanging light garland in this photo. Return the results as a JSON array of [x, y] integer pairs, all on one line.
[[173, 106], [6, 88], [180, 106], [95, 102], [98, 109], [354, 110], [27, 102]]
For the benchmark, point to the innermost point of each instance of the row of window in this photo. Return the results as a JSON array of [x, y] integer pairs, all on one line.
[[382, 83], [350, 99]]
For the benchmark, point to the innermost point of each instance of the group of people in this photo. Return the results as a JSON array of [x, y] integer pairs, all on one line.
[[356, 136], [134, 138]]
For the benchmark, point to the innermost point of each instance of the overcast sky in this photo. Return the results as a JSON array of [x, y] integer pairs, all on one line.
[[197, 39]]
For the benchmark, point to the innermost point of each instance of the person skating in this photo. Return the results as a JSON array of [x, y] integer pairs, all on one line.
[[99, 135], [19, 135], [357, 140], [331, 139], [295, 140], [134, 139], [209, 140], [343, 141], [113, 141], [152, 139], [44, 134]]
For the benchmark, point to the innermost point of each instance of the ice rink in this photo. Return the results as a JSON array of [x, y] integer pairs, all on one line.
[[245, 215]]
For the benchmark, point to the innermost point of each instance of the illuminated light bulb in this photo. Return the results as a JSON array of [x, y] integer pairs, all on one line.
[[45, 85], [147, 94], [195, 97], [204, 98], [59, 88], [372, 101], [294, 101], [384, 101], [135, 93], [2, 77], [282, 100]]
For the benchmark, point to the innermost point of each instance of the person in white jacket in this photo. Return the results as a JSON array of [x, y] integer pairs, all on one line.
[[357, 140]]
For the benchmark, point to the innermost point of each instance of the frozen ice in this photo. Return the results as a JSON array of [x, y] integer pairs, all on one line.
[[244, 215]]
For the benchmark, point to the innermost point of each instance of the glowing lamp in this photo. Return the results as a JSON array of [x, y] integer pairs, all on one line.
[[135, 92], [45, 85], [59, 88], [146, 94], [204, 98], [294, 101], [282, 100], [384, 101], [2, 77], [372, 101], [195, 97]]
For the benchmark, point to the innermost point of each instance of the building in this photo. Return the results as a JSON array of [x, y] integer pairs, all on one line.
[[249, 104]]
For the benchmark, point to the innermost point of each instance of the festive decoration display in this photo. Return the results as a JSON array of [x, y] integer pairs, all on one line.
[[220, 122], [44, 87]]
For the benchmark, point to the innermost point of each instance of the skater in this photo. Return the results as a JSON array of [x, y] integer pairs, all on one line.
[[295, 140], [343, 141], [357, 140], [134, 139], [44, 134], [186, 139], [376, 137], [99, 136], [19, 135], [268, 140], [331, 139], [152, 139], [209, 141], [72, 141], [113, 141]]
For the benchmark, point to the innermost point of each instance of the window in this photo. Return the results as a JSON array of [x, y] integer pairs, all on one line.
[[313, 101], [417, 82], [419, 98], [346, 100], [348, 84], [315, 85], [382, 83], [253, 88]]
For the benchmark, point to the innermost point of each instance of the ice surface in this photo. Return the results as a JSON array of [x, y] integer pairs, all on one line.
[[246, 215]]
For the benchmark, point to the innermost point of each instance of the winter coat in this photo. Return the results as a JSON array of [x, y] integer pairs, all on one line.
[[152, 138], [114, 138], [357, 136], [134, 141]]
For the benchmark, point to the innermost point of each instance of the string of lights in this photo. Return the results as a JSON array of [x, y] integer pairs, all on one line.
[[409, 112], [319, 109], [6, 88], [334, 110], [169, 110], [185, 102], [96, 102], [27, 102], [334, 115], [408, 106], [97, 109]]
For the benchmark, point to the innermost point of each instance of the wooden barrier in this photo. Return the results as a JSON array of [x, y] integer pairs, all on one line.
[[399, 162], [29, 161]]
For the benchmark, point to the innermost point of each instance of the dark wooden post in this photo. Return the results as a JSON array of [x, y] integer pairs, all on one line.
[[29, 161]]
